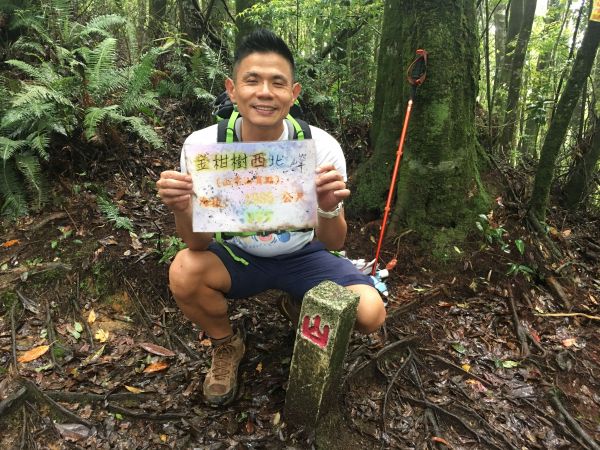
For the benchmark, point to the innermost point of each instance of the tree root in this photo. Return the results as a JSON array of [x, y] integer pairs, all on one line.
[[571, 422], [389, 388], [558, 291]]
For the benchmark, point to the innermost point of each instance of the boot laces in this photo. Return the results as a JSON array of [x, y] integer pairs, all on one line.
[[222, 361]]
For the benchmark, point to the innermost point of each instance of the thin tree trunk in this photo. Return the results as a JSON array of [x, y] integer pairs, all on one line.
[[576, 189], [557, 130]]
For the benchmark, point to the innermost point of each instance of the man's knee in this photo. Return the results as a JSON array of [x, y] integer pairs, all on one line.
[[193, 271], [371, 313]]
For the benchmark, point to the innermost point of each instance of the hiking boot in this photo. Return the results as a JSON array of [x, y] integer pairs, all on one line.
[[289, 308], [220, 384]]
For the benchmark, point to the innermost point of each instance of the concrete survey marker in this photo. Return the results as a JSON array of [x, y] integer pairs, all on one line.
[[326, 322]]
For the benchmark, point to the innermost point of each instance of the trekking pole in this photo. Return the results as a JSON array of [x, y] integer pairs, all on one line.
[[416, 76]]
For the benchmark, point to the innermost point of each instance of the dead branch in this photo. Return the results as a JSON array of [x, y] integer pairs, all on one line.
[[88, 397], [49, 218], [460, 420], [14, 275], [12, 400], [558, 291], [519, 330], [537, 226], [37, 393], [391, 384], [573, 424], [422, 300], [147, 416]]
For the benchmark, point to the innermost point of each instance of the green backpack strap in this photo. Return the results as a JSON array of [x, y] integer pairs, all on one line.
[[226, 128], [301, 128], [219, 239]]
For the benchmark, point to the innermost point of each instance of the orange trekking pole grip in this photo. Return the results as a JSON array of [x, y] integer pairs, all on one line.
[[416, 75]]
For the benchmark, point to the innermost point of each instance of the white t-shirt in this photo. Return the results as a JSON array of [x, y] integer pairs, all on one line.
[[328, 151]]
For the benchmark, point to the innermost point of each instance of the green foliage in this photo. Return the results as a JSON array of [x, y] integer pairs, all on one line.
[[192, 71], [67, 79], [492, 234], [112, 213], [169, 247]]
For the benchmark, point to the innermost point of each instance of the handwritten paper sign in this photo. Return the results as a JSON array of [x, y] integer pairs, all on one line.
[[253, 186], [595, 14]]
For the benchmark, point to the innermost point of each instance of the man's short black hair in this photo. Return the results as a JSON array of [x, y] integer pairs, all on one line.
[[263, 41]]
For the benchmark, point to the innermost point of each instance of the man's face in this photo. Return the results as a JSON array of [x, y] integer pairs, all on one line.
[[264, 90]]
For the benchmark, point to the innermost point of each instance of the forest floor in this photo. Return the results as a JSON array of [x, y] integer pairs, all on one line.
[[469, 357]]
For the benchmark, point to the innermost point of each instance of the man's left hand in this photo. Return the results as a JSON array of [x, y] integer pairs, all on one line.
[[331, 187]]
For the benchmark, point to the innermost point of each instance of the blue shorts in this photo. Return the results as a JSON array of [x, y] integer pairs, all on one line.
[[294, 273]]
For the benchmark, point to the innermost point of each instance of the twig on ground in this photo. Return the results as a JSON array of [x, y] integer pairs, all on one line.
[[51, 336], [13, 336], [573, 424], [459, 369], [576, 314], [77, 307]]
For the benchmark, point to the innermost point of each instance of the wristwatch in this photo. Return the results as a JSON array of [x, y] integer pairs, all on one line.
[[330, 214]]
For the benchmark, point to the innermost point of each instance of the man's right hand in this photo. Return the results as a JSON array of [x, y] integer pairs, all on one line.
[[175, 190]]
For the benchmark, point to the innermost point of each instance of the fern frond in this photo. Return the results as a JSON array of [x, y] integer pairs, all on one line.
[[204, 95], [29, 166], [100, 24], [44, 74], [93, 116], [142, 102], [102, 65], [145, 131], [11, 191], [35, 93], [39, 141], [23, 45], [112, 213], [8, 147]]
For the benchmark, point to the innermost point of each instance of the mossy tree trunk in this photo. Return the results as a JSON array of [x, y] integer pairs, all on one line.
[[557, 130], [516, 74], [438, 190]]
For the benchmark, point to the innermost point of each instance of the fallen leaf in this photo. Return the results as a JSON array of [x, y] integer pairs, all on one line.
[[569, 342], [391, 264], [156, 349], [477, 385], [466, 367], [163, 437], [73, 431], [206, 342], [91, 317], [101, 335], [33, 354], [250, 426], [276, 418], [441, 441], [134, 389], [10, 243], [566, 233], [259, 367], [93, 358], [156, 367]]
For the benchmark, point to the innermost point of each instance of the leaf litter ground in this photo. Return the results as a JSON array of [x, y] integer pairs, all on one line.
[[467, 358]]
